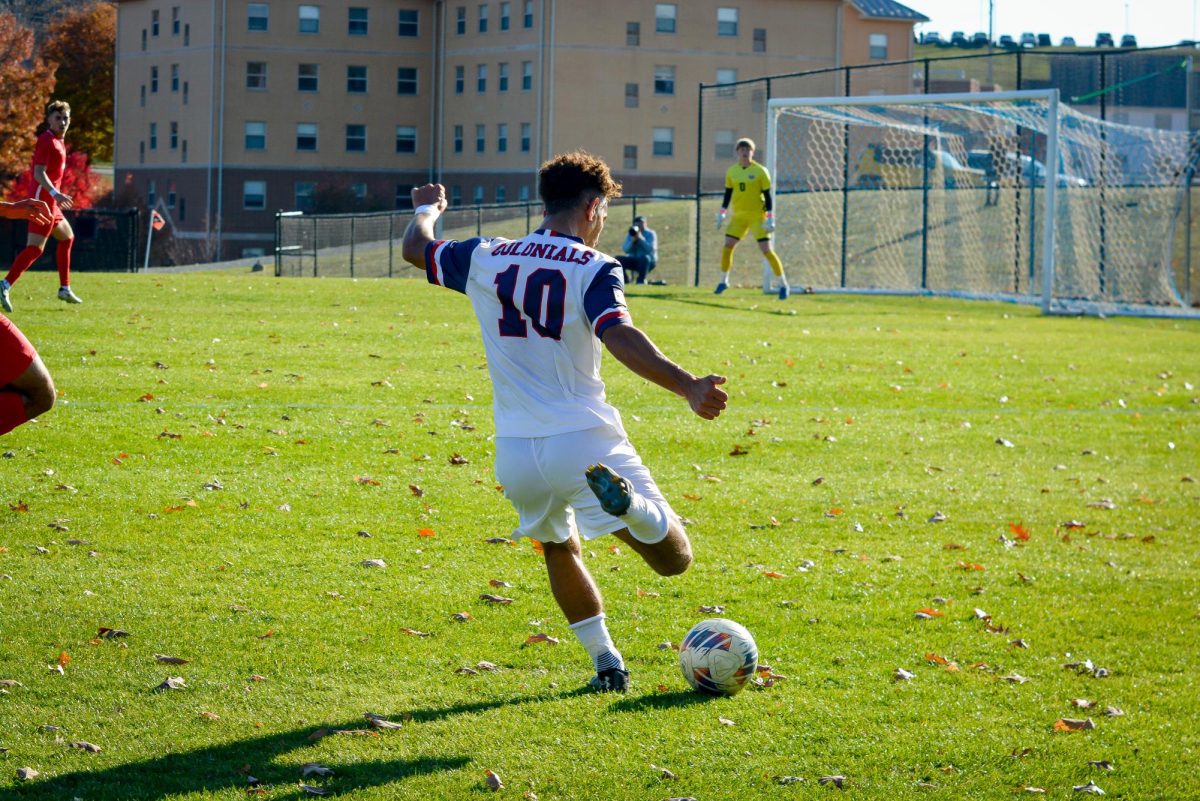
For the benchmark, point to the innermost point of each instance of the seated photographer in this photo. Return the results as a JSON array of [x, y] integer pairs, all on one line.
[[641, 250]]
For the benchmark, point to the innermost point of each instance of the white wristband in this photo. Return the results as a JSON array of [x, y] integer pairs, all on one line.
[[427, 208]]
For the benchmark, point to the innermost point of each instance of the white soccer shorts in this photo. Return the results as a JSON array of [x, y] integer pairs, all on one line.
[[543, 480]]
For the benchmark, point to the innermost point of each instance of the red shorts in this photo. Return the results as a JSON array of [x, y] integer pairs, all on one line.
[[16, 353], [55, 213]]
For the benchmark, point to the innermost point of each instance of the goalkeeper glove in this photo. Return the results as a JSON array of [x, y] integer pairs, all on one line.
[[722, 215], [769, 223]]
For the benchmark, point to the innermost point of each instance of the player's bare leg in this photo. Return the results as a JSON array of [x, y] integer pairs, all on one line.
[[62, 255], [30, 395], [579, 598], [34, 245]]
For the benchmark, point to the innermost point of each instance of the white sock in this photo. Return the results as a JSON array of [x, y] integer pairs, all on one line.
[[593, 634], [646, 520]]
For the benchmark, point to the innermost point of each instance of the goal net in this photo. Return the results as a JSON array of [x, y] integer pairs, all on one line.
[[1007, 195]]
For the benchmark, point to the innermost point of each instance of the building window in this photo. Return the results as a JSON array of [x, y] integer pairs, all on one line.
[[404, 196], [483, 18], [153, 136], [631, 95], [501, 137], [664, 18], [503, 76], [528, 13], [406, 139], [254, 194], [310, 19], [526, 136], [174, 136], [480, 143], [410, 22], [456, 196], [256, 75], [727, 21], [664, 141], [174, 77], [878, 46], [182, 216], [171, 195], [501, 193], [630, 162], [143, 38], [143, 95], [183, 156], [154, 22], [307, 77], [151, 194], [356, 138], [481, 78], [406, 80], [727, 76], [723, 141], [304, 195], [633, 34], [505, 12], [478, 197], [523, 193], [187, 40], [356, 80], [359, 190], [760, 40], [306, 136], [174, 26], [526, 76], [185, 92], [459, 79], [258, 16], [141, 152], [664, 80], [460, 20], [154, 80], [256, 136], [458, 138], [356, 21]]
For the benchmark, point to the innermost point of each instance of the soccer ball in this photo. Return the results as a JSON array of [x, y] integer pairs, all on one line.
[[718, 656]]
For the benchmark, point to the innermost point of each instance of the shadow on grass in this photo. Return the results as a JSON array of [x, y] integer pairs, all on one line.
[[675, 700], [766, 307], [216, 769]]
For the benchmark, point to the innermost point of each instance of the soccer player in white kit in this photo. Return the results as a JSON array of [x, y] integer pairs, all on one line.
[[545, 303]]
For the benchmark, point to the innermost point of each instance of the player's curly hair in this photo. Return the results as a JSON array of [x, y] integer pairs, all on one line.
[[569, 179], [51, 107]]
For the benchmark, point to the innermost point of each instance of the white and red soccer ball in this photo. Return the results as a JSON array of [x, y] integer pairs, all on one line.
[[718, 657]]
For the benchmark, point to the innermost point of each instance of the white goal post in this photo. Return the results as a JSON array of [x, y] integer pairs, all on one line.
[[1006, 195]]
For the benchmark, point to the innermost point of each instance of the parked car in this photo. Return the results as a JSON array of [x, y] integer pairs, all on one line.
[[931, 37], [979, 39], [889, 167], [958, 39], [1031, 170], [1129, 40], [1068, 41], [1104, 40], [1043, 40], [1007, 42], [1028, 40]]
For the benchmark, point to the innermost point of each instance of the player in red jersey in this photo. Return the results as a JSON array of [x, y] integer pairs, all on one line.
[[26, 388], [49, 165]]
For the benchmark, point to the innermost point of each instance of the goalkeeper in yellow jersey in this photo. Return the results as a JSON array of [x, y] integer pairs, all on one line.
[[748, 193]]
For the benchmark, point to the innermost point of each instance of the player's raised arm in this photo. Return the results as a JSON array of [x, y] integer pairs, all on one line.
[[429, 201], [39, 175], [635, 350], [28, 209]]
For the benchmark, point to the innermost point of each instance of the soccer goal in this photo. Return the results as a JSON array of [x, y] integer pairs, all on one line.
[[1002, 195]]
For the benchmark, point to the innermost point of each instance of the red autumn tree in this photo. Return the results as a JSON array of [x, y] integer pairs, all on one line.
[[79, 182], [26, 83], [83, 42]]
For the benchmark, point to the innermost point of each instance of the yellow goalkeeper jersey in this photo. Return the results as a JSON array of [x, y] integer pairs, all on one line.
[[748, 184]]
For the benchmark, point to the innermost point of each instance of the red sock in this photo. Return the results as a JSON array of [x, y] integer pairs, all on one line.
[[21, 263], [12, 411], [62, 255]]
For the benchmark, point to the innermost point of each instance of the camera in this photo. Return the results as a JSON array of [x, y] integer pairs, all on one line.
[[634, 230]]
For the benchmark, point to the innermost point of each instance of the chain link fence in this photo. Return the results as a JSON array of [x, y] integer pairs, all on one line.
[[106, 240]]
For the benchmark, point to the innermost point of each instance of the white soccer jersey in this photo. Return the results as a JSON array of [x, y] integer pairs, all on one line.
[[542, 302]]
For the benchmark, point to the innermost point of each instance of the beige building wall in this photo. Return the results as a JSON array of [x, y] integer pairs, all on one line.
[[619, 79]]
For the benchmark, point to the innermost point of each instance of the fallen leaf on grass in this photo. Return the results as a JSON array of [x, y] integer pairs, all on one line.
[[83, 745], [458, 459], [725, 722], [461, 617], [19, 506], [111, 634], [314, 769], [1090, 787], [1034, 790], [1102, 764], [10, 683], [1071, 724], [969, 566], [374, 563], [499, 583], [488, 666], [715, 609], [367, 481], [210, 715], [927, 613], [414, 632], [495, 599], [774, 574], [838, 780], [64, 659], [171, 683], [937, 517], [663, 772], [532, 639], [1113, 712], [903, 675], [25, 774], [379, 721], [492, 780], [308, 788], [170, 660], [426, 532], [1019, 530], [1014, 678], [1082, 703]]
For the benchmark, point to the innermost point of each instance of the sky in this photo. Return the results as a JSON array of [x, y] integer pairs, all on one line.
[[1153, 22]]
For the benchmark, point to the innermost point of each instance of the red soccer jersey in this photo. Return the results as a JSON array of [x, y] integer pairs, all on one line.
[[51, 152]]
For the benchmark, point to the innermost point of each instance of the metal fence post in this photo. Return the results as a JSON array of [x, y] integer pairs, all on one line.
[[845, 183], [478, 220], [699, 176], [316, 246], [1103, 172], [278, 243], [352, 246], [391, 242], [925, 194]]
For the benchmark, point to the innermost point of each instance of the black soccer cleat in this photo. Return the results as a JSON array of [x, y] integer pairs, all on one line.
[[613, 492], [613, 680]]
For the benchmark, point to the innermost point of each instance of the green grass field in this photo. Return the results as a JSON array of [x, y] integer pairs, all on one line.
[[223, 439]]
